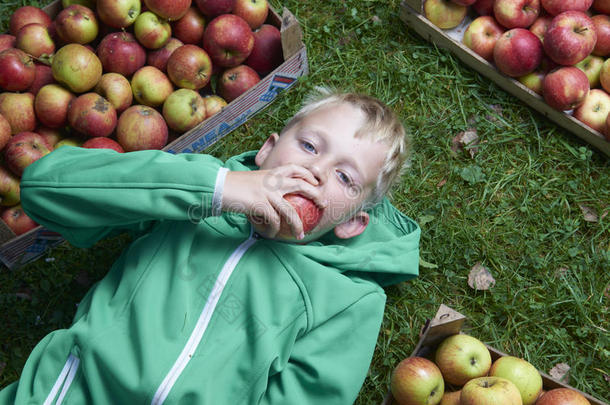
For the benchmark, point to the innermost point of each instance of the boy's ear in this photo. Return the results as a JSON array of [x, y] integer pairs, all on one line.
[[353, 226], [264, 151]]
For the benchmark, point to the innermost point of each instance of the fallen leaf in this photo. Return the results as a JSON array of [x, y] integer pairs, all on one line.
[[465, 139], [376, 19], [441, 183], [480, 278], [497, 109], [561, 372], [562, 271], [588, 213]]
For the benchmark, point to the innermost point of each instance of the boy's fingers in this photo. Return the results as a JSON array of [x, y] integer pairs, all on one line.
[[290, 216], [296, 171]]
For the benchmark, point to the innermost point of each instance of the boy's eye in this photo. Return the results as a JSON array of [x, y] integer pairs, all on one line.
[[345, 178], [308, 146]]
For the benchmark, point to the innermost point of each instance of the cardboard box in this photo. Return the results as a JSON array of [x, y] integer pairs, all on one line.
[[448, 322], [412, 14], [16, 251]]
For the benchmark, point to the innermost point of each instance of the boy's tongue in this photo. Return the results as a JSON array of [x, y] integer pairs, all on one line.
[[307, 210]]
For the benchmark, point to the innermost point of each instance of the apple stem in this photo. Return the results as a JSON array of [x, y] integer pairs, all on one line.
[[581, 30]]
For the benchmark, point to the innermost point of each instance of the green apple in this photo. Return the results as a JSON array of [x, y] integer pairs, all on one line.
[[445, 14], [417, 381], [150, 31], [592, 66], [68, 142], [151, 86], [462, 357], [521, 373], [490, 390]]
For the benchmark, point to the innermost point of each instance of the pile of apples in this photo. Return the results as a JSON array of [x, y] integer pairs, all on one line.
[[463, 373], [125, 75], [557, 48]]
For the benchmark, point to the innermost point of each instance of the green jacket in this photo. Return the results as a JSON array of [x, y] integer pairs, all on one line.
[[198, 309]]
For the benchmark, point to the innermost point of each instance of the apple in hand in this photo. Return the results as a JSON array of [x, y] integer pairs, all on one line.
[[18, 109], [601, 23], [592, 67], [490, 390], [121, 53], [228, 40], [570, 38], [562, 396], [516, 13], [141, 127], [445, 14], [24, 149], [17, 220], [481, 36], [189, 29], [118, 13], [92, 115], [77, 67], [417, 381], [267, 52], [183, 109], [594, 110], [116, 89], [51, 105], [27, 15], [555, 7], [35, 40], [565, 88], [17, 70], [10, 192], [521, 373], [150, 31], [517, 52], [150, 86], [254, 12], [462, 357], [236, 81], [102, 142], [77, 24]]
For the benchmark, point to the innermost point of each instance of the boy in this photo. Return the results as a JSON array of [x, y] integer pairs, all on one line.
[[210, 304]]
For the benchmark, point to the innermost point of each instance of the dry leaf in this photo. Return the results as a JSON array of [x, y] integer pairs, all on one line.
[[375, 19], [498, 112], [466, 138], [441, 183], [561, 372], [588, 213], [562, 271], [480, 278]]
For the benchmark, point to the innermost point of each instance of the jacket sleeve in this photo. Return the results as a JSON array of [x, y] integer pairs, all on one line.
[[89, 194], [330, 363]]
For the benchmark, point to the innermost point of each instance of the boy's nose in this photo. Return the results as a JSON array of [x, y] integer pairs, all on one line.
[[318, 173]]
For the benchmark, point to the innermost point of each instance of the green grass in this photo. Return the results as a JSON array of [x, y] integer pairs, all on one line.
[[514, 207]]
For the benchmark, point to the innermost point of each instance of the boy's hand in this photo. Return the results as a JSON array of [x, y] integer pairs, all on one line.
[[260, 194]]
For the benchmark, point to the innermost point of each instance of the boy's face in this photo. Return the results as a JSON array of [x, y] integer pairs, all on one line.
[[346, 168]]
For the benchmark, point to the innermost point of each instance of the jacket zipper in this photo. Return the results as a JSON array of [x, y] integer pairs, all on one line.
[[202, 323], [66, 376]]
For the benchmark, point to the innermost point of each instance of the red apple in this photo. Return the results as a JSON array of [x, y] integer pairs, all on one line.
[[50, 135], [481, 36], [24, 149], [594, 110], [118, 13], [150, 86], [484, 7], [541, 26], [159, 57], [121, 53], [516, 13], [601, 23], [228, 40], [102, 142], [51, 105], [10, 192], [562, 396], [76, 24], [184, 109], [168, 9], [34, 39], [17, 220], [555, 7], [213, 105], [214, 8], [517, 52], [5, 131], [116, 89], [451, 398], [43, 76], [565, 88], [464, 2], [445, 14], [7, 41], [17, 70], [604, 75], [602, 6], [592, 67], [189, 29], [76, 67], [150, 31], [18, 109], [308, 213], [141, 127], [236, 81], [189, 67], [490, 390], [27, 15], [92, 115], [255, 12], [570, 38], [267, 53], [417, 381]]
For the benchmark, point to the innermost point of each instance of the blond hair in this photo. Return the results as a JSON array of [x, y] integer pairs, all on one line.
[[381, 125]]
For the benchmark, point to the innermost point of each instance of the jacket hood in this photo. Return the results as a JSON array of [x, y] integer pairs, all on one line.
[[387, 252]]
